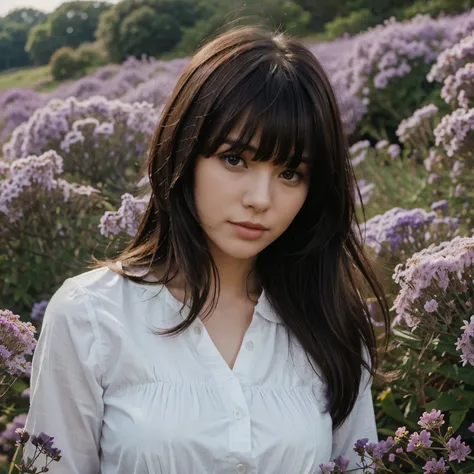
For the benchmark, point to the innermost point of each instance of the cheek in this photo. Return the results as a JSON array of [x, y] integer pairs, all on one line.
[[289, 206], [209, 191]]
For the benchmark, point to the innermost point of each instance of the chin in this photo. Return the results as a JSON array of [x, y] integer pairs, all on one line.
[[241, 250]]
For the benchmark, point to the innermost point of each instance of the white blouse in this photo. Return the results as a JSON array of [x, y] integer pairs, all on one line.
[[120, 400]]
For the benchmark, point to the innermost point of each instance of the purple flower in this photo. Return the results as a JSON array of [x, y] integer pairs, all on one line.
[[401, 432], [433, 419], [342, 463], [18, 341], [414, 129], [381, 448], [327, 468], [38, 310], [440, 206], [126, 218], [45, 444], [392, 457], [8, 437], [417, 441], [431, 306], [435, 467], [466, 342], [471, 428], [457, 449]]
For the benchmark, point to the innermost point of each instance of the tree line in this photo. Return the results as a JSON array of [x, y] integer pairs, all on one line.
[[159, 27]]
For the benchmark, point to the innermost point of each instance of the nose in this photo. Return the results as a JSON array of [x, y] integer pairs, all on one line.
[[258, 192]]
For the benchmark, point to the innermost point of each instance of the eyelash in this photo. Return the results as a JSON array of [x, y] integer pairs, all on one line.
[[226, 156]]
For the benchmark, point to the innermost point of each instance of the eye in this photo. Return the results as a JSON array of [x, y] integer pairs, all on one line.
[[231, 160], [293, 173]]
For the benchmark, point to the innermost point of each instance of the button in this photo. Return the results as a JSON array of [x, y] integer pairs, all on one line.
[[197, 330], [249, 345], [241, 469], [237, 415]]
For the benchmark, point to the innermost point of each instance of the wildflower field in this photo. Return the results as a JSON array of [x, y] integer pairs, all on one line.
[[72, 184]]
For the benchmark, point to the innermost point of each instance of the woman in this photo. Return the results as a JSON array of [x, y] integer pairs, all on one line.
[[230, 336]]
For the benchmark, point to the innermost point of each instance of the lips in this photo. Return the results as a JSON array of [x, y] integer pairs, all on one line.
[[251, 225]]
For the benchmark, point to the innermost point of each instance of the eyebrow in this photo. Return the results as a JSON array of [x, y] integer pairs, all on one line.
[[237, 144]]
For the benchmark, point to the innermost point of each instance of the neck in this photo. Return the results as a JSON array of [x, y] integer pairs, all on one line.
[[236, 278]]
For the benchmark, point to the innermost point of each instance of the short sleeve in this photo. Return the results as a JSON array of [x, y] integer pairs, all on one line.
[[359, 424], [65, 392]]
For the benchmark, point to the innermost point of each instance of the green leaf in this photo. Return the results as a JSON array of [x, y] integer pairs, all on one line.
[[389, 407], [456, 418], [385, 431], [458, 373], [455, 400]]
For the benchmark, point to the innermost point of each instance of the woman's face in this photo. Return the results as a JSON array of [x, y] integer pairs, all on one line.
[[232, 188]]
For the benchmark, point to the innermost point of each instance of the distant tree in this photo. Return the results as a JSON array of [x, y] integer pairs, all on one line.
[[323, 11], [28, 16], [70, 24], [145, 31], [5, 43], [41, 44], [14, 29], [66, 64], [219, 17], [75, 22], [18, 33], [152, 26]]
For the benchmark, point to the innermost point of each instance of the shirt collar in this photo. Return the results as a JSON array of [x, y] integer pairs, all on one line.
[[266, 309], [263, 307]]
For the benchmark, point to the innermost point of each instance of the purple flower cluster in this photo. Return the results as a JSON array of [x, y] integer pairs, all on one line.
[[447, 267], [452, 59], [466, 342], [458, 450], [358, 152], [135, 80], [408, 230], [34, 175], [16, 107], [436, 467], [458, 88], [455, 133], [49, 125], [17, 341], [374, 456], [9, 437], [37, 312], [418, 129], [126, 219], [391, 50], [431, 420]]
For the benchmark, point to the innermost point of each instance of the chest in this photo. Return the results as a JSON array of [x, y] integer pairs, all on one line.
[[227, 328]]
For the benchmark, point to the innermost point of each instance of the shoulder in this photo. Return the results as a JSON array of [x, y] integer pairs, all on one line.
[[114, 302]]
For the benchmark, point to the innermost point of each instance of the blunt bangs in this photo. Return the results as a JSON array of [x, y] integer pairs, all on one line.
[[269, 103]]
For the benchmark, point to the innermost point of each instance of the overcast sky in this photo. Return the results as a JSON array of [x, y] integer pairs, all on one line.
[[47, 6]]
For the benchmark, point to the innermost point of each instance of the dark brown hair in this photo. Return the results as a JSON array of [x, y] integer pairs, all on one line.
[[316, 274]]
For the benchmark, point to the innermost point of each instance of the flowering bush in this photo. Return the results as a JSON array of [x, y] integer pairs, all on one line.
[[91, 134], [46, 220], [16, 107], [18, 342], [400, 232]]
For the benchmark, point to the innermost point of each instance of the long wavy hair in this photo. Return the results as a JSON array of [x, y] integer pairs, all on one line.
[[316, 274]]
